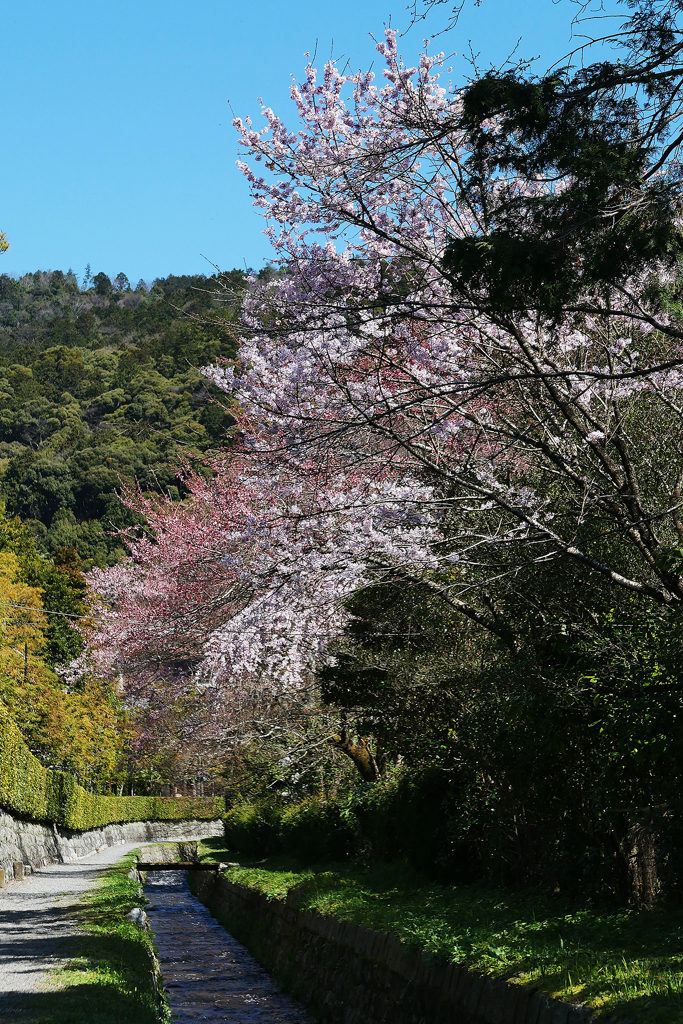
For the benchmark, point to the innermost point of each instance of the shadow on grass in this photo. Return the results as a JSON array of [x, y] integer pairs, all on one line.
[[622, 962], [101, 978], [94, 1004]]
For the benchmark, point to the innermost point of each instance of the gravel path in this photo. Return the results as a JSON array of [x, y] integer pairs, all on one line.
[[208, 975], [37, 920]]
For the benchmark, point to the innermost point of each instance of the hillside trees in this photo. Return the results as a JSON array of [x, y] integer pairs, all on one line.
[[97, 389], [78, 728]]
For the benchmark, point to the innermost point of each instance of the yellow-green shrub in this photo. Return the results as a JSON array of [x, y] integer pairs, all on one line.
[[31, 791]]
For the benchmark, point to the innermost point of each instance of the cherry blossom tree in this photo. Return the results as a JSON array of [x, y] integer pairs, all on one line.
[[525, 425], [399, 420]]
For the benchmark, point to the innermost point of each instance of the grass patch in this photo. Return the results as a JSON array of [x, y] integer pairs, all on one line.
[[622, 962], [107, 978]]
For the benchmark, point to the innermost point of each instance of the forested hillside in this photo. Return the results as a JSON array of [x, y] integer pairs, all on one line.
[[101, 385]]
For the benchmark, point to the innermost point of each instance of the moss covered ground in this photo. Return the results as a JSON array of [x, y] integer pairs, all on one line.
[[624, 963]]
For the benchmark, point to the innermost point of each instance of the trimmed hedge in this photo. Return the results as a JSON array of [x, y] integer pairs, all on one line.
[[31, 791], [404, 815], [312, 830]]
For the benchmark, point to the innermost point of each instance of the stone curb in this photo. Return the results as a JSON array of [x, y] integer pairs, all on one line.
[[26, 846], [349, 974]]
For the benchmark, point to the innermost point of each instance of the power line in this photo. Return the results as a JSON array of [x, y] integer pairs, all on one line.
[[45, 611], [246, 630]]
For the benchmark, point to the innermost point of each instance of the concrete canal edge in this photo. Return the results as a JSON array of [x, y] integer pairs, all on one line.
[[26, 846], [347, 974]]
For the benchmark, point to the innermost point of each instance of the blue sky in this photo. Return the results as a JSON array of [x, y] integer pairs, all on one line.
[[118, 149]]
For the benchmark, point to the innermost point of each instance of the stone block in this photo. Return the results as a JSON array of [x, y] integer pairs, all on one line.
[[409, 963], [549, 1007], [465, 982], [514, 993], [560, 1012], [379, 946], [522, 1008], [455, 983], [475, 993], [578, 1014], [492, 1002], [500, 1002], [450, 970], [484, 1000], [421, 970], [2, 877], [435, 979], [345, 933], [369, 943], [18, 870], [314, 920], [395, 954], [359, 940], [536, 1008]]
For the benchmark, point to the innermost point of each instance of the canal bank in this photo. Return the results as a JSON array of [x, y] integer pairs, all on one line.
[[206, 973]]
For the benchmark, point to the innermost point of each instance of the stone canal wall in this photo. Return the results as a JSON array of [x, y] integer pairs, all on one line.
[[33, 845], [347, 974]]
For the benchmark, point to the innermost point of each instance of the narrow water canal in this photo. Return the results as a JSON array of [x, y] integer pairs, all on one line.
[[207, 974]]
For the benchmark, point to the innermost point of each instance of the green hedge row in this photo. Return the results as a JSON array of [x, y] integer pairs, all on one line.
[[405, 815], [31, 791], [312, 830]]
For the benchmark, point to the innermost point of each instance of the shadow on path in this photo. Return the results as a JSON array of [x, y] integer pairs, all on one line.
[[88, 998]]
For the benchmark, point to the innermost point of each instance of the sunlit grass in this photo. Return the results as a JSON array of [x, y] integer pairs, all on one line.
[[622, 962], [107, 978]]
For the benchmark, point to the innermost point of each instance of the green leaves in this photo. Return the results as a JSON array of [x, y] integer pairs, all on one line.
[[584, 159], [94, 398]]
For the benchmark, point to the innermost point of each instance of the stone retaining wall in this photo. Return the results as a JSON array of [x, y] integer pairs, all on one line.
[[24, 842], [347, 974]]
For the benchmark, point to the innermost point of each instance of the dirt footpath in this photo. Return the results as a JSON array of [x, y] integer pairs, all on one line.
[[38, 920]]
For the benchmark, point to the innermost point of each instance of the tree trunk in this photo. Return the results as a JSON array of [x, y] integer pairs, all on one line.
[[360, 753]]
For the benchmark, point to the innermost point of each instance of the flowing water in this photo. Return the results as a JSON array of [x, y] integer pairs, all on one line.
[[208, 976]]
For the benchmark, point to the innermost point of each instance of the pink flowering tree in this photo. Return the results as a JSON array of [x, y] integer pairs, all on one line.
[[402, 420], [520, 425]]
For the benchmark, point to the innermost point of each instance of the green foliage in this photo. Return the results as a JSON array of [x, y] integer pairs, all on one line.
[[253, 828], [31, 791], [624, 963], [403, 815], [26, 788], [316, 829], [101, 388], [61, 581], [600, 128], [558, 763], [313, 829]]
